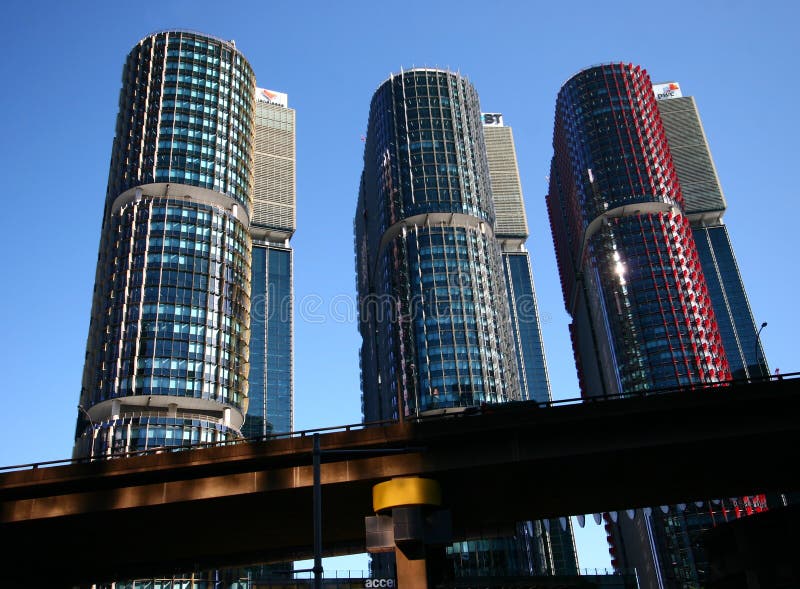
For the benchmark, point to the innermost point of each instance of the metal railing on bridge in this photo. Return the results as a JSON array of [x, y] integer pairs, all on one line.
[[450, 412]]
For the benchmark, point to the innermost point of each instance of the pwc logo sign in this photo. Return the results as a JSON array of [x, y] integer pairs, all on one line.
[[667, 91]]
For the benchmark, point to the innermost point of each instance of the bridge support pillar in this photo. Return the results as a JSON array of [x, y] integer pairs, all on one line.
[[411, 572], [408, 520]]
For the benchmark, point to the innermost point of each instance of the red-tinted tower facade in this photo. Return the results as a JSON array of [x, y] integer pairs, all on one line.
[[633, 284], [630, 274]]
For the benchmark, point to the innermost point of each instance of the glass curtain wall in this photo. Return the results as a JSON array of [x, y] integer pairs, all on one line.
[[167, 352]]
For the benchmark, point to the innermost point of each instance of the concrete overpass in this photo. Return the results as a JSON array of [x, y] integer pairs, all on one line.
[[252, 502]]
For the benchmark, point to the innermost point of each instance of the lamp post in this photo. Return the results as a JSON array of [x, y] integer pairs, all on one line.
[[317, 498], [94, 430], [758, 349]]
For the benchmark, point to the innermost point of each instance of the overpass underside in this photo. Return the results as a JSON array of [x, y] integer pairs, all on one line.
[[246, 503]]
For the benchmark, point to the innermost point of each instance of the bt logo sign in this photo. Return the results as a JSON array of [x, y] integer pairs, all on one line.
[[493, 119]]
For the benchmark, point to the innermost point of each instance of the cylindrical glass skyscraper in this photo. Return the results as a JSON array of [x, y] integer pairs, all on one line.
[[630, 273], [634, 285], [167, 352], [434, 315]]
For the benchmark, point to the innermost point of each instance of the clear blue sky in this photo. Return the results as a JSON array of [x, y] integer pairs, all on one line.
[[61, 67]]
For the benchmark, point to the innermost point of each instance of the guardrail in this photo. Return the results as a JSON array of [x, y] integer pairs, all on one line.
[[454, 412]]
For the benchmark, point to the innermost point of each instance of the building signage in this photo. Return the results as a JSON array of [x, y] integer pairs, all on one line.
[[279, 98], [667, 91], [380, 583], [492, 119]]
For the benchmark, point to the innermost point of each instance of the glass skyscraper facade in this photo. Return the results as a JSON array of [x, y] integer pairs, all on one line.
[[649, 278], [531, 363], [168, 345], [705, 205], [552, 547], [191, 334], [641, 313], [511, 230], [433, 310], [271, 400], [271, 407], [668, 545], [726, 289]]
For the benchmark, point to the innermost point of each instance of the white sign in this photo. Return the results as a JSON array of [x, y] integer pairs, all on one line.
[[492, 119], [279, 98], [379, 583], [667, 90]]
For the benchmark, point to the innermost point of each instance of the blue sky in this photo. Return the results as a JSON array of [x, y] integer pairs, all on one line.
[[61, 69]]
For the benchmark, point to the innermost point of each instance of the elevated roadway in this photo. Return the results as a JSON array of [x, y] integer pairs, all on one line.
[[252, 502]]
